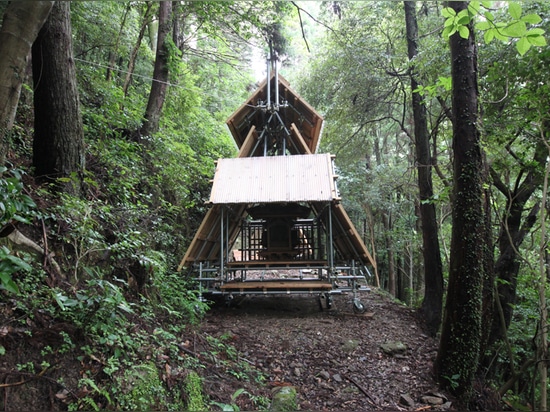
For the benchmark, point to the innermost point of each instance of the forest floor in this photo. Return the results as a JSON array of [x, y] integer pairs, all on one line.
[[335, 359]]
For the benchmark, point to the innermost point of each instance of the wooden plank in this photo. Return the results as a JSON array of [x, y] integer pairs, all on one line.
[[249, 143], [299, 140], [354, 236], [206, 224], [278, 285], [278, 263]]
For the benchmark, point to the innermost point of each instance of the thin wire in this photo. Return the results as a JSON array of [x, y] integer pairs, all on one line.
[[126, 72]]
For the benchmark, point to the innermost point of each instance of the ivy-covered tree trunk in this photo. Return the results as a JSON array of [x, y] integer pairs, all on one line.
[[432, 305], [160, 72], [21, 23], [459, 350], [58, 146]]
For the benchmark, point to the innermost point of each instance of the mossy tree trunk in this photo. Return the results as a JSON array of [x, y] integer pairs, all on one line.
[[459, 350]]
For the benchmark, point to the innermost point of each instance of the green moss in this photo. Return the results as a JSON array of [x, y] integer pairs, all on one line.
[[142, 388], [193, 387], [285, 399]]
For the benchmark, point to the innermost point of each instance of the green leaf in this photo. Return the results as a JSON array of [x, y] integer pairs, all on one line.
[[446, 82], [516, 29], [488, 36], [531, 18], [483, 25], [11, 263], [489, 16], [464, 32], [535, 33], [448, 12], [464, 20], [515, 10], [473, 7], [523, 46], [538, 41], [500, 36], [463, 13], [447, 32], [237, 393], [8, 284], [487, 4], [21, 219]]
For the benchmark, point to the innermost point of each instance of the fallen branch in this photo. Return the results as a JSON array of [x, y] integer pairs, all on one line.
[[189, 351], [32, 377], [362, 390], [23, 381]]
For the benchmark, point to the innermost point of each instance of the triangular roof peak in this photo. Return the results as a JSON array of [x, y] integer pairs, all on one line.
[[280, 103]]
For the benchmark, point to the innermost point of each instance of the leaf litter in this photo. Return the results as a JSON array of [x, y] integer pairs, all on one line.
[[336, 360]]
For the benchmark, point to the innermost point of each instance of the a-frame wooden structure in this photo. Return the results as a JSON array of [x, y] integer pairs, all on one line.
[[276, 208]]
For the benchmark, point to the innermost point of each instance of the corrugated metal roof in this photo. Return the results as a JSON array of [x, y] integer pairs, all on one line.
[[274, 179]]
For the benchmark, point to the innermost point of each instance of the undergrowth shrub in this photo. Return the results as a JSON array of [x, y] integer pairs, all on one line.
[[15, 207], [80, 233], [175, 296]]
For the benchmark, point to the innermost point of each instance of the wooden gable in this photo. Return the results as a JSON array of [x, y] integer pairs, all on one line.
[[303, 122]]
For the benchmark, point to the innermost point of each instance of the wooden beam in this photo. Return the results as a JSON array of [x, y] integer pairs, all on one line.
[[249, 143], [278, 285], [300, 142]]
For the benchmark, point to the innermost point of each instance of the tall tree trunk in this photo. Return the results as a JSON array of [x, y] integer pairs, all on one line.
[[432, 305], [369, 240], [513, 230], [133, 55], [114, 52], [392, 277], [21, 23], [58, 146], [459, 349], [160, 72]]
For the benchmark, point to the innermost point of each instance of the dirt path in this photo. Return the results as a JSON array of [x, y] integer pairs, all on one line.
[[333, 358]]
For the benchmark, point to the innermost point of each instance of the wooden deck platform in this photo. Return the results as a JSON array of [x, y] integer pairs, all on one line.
[[278, 263], [278, 285]]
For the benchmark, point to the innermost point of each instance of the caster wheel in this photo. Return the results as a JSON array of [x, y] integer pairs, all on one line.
[[358, 307], [325, 301], [229, 301]]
